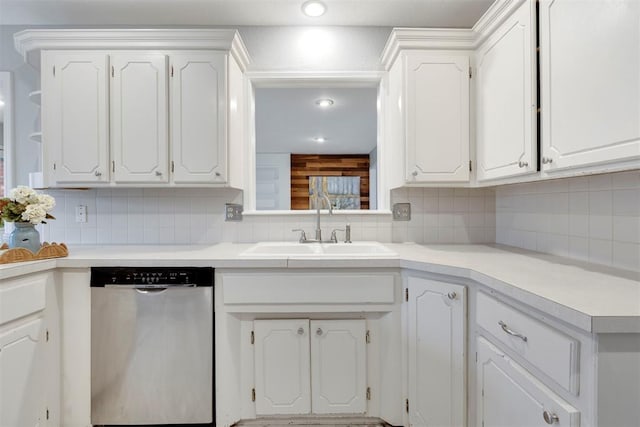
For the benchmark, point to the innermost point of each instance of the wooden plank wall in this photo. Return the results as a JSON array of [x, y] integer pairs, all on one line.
[[305, 165]]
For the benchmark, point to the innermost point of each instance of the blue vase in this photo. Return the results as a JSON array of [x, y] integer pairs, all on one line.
[[25, 235]]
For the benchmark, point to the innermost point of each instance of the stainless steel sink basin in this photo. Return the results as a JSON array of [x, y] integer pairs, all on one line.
[[310, 250]]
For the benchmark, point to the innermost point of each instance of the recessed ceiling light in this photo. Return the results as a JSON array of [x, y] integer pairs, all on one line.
[[324, 103], [314, 8], [320, 139]]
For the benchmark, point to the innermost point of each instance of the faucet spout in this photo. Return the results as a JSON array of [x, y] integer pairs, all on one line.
[[326, 199]]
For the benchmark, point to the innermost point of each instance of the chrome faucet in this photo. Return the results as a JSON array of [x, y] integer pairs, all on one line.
[[326, 198]]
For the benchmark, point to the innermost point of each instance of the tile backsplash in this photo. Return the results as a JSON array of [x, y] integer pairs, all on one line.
[[592, 218], [196, 216]]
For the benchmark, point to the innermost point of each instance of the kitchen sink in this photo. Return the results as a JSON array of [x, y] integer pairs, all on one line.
[[359, 249]]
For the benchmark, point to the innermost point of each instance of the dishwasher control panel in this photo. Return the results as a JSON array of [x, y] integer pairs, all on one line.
[[170, 276]]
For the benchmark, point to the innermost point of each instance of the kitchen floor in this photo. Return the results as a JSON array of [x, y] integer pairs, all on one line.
[[314, 422]]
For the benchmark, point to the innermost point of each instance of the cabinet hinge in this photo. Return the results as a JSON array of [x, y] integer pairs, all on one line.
[[46, 336], [54, 71], [470, 166], [172, 166], [253, 394], [406, 405], [253, 337], [470, 72], [113, 165], [406, 294], [172, 71], [367, 337], [476, 357], [113, 71], [368, 393], [47, 413], [54, 166]]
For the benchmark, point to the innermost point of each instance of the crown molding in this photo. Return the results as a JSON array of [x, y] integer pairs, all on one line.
[[29, 43], [425, 38], [497, 13]]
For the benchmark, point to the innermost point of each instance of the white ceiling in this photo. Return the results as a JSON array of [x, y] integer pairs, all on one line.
[[287, 120], [391, 13]]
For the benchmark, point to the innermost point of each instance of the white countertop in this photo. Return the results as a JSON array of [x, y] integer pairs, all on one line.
[[590, 297]]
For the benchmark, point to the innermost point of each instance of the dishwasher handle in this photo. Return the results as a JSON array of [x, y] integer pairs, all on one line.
[[158, 287]]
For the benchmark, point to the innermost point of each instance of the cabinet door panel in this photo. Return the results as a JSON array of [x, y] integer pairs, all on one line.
[[21, 376], [282, 367], [338, 366], [139, 117], [506, 105], [75, 116], [437, 118], [508, 395], [198, 117], [437, 336], [590, 82]]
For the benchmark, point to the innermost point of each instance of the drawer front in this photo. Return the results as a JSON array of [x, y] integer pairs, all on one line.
[[510, 396], [21, 297], [551, 351], [311, 288]]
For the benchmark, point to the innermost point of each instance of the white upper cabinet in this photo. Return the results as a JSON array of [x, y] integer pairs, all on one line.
[[437, 117], [506, 98], [590, 83], [198, 117], [139, 134], [75, 116], [132, 108], [426, 112]]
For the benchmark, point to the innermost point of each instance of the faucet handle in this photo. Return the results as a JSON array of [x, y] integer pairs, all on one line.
[[303, 235], [334, 237]]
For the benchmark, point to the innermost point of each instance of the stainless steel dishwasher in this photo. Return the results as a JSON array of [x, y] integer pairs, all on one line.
[[151, 345]]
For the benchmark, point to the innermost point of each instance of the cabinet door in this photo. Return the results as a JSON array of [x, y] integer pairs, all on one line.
[[437, 360], [508, 395], [437, 117], [590, 82], [338, 366], [139, 134], [282, 379], [75, 116], [506, 99], [22, 383], [198, 117]]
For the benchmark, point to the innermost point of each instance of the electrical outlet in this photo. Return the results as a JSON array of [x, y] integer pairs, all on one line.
[[402, 212], [81, 213], [232, 212]]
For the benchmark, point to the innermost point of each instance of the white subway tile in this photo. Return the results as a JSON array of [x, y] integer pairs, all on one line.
[[601, 227], [600, 251], [626, 229], [626, 255], [626, 202]]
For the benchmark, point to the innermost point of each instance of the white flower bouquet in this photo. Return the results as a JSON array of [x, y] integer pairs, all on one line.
[[26, 205]]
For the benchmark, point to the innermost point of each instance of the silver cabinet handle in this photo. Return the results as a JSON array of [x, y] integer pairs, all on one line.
[[550, 417], [217, 173], [452, 295], [522, 164], [98, 173], [300, 331], [506, 329], [414, 173], [547, 160], [158, 173], [318, 331]]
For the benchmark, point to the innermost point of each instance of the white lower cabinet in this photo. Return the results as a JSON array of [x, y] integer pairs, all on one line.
[[29, 377], [22, 397], [304, 367], [508, 395], [436, 347]]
